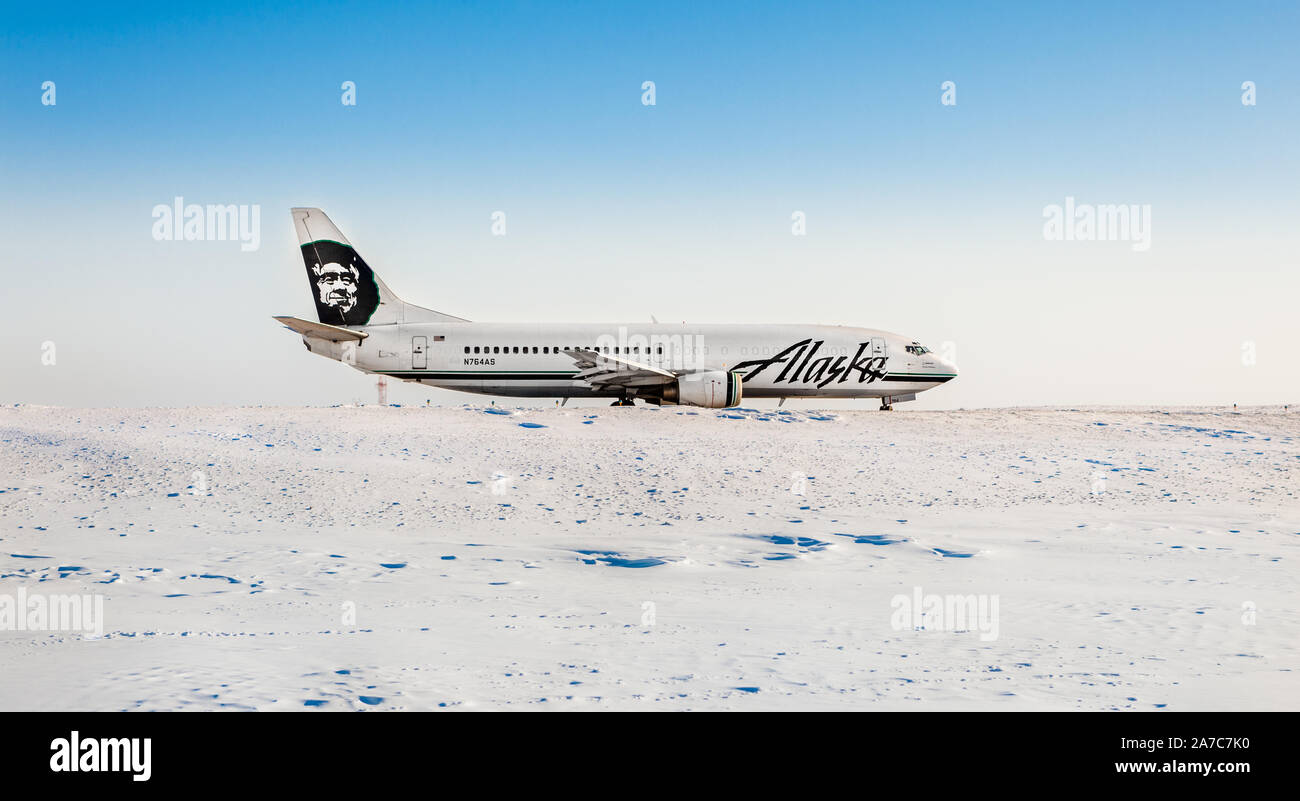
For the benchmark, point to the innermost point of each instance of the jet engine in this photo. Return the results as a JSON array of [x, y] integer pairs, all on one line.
[[712, 389]]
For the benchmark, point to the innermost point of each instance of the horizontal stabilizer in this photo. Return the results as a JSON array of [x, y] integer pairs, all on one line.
[[330, 333]]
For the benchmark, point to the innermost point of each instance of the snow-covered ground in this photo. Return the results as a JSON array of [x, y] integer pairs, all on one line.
[[610, 558]]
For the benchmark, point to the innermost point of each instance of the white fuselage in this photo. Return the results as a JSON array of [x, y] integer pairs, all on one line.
[[529, 360]]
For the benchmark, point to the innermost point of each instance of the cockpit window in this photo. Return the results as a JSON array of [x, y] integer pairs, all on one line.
[[919, 350]]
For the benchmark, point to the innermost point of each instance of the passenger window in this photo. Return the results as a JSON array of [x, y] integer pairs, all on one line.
[[467, 348]]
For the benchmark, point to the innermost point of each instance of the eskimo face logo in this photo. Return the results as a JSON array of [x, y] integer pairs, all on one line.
[[343, 285], [336, 286]]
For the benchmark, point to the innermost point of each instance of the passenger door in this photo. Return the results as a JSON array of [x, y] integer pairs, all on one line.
[[419, 356]]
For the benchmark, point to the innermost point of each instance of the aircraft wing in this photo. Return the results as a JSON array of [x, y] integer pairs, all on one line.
[[602, 369], [332, 333]]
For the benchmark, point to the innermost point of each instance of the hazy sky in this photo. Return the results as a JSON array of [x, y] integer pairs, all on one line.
[[922, 218]]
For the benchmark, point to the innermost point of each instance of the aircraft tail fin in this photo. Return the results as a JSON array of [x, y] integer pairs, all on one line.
[[347, 292]]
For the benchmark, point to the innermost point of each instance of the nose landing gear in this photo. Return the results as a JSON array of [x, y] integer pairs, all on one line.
[[887, 402]]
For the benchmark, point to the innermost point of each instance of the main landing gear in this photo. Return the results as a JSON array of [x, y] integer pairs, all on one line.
[[886, 407], [623, 402]]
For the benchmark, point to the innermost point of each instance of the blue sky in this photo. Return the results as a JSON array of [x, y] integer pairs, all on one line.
[[922, 218]]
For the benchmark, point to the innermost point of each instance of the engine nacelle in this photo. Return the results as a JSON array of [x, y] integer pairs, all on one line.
[[714, 389]]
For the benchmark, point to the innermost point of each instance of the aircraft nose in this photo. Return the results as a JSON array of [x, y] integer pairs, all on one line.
[[949, 366]]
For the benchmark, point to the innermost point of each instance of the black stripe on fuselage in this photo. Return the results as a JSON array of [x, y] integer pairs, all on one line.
[[937, 378], [431, 375], [475, 376]]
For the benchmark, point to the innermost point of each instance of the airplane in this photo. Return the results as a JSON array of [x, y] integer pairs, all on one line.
[[361, 322]]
